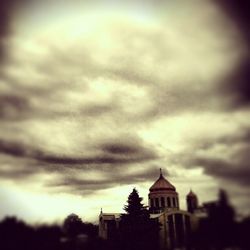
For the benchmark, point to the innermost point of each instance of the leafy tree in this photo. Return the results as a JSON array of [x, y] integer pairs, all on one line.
[[90, 229], [138, 231], [15, 234], [72, 225]]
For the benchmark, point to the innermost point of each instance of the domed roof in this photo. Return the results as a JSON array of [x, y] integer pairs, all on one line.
[[162, 184], [191, 194]]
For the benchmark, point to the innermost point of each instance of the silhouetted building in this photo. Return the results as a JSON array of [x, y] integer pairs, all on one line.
[[162, 196], [192, 202], [180, 228], [176, 224], [108, 225]]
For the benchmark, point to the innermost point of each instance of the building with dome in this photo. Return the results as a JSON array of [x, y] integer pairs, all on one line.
[[192, 202], [163, 204], [162, 196]]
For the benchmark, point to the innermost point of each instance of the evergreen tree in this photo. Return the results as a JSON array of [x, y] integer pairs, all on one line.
[[135, 208], [138, 231]]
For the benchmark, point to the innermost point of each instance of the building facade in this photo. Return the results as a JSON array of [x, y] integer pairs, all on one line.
[[162, 196], [163, 201]]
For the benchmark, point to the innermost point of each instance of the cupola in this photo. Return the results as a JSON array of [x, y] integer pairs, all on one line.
[[162, 196], [192, 201]]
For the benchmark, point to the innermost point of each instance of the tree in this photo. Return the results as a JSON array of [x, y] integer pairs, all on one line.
[[72, 225], [138, 231], [220, 217], [226, 211], [16, 234], [135, 208]]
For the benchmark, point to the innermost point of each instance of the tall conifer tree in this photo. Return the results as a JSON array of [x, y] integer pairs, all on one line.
[[138, 231]]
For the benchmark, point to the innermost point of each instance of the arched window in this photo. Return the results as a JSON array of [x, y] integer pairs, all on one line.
[[151, 202], [174, 205], [168, 202], [162, 202], [156, 202]]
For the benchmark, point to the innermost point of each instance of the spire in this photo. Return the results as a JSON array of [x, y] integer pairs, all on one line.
[[191, 193], [161, 173]]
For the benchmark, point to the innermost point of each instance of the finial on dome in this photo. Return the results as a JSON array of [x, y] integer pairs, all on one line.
[[101, 211], [161, 184], [160, 172], [191, 193]]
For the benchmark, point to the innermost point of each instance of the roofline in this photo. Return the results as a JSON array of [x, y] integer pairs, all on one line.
[[161, 189]]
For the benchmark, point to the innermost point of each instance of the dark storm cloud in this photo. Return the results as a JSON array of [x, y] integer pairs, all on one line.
[[16, 149], [113, 152], [237, 85], [19, 168], [97, 109], [107, 156], [30, 103], [231, 165], [13, 107], [241, 136], [76, 185], [166, 94], [238, 11], [102, 159], [237, 173], [119, 148], [22, 173], [176, 101], [7, 12], [113, 160], [113, 179]]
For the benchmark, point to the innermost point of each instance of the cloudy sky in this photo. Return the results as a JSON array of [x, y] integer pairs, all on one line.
[[96, 96]]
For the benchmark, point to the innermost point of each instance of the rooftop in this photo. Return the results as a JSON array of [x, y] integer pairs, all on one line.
[[162, 184]]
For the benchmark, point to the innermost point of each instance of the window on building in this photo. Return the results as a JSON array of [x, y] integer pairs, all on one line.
[[156, 202], [171, 231], [174, 205], [168, 202], [162, 202], [151, 202], [179, 229]]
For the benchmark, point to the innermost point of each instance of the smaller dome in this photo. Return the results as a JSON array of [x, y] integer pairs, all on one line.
[[162, 184], [191, 194]]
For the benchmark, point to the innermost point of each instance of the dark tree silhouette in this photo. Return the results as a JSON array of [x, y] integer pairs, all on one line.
[[138, 231], [15, 234], [90, 229], [48, 237], [218, 230], [134, 208], [80, 235], [72, 225], [243, 234], [225, 207]]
